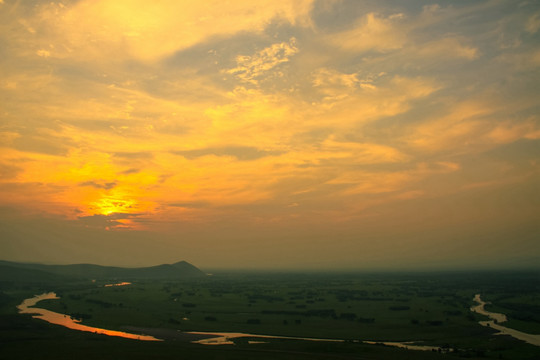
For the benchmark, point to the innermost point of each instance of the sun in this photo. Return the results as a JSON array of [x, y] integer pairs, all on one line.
[[108, 205], [120, 208]]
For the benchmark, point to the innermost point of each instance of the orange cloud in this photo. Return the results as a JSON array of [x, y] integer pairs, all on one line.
[[149, 31]]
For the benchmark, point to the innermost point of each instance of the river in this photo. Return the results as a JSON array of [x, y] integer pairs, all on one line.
[[224, 338], [26, 307], [495, 321], [205, 338]]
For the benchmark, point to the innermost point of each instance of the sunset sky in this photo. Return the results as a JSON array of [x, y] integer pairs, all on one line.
[[271, 134]]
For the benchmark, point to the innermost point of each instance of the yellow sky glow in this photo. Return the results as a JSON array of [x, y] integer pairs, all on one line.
[[187, 116]]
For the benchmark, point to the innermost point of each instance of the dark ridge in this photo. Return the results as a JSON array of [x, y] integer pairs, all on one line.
[[17, 275], [29, 271]]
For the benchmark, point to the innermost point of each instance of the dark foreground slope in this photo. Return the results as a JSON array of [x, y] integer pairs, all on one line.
[[179, 270]]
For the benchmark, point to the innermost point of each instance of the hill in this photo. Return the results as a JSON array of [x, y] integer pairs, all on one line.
[[12, 274], [21, 271]]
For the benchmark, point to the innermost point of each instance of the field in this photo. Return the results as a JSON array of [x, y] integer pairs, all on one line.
[[429, 309]]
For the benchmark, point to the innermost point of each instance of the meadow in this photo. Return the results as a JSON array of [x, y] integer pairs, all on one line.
[[426, 308]]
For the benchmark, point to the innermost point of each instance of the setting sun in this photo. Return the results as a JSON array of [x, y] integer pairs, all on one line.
[[111, 205]]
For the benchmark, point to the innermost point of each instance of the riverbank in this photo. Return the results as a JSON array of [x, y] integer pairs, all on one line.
[[497, 319]]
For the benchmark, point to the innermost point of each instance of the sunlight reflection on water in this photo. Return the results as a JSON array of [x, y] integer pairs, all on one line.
[[61, 319], [119, 284]]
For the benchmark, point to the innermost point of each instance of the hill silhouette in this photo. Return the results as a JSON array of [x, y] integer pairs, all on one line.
[[10, 274], [31, 271]]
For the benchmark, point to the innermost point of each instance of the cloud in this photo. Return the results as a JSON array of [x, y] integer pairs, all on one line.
[[526, 60], [361, 182], [105, 186], [133, 155], [190, 205], [9, 171], [373, 32], [472, 125], [116, 221], [33, 196], [533, 23], [130, 171], [508, 131], [148, 31], [363, 153], [251, 68], [242, 153], [385, 96], [44, 142], [336, 85], [329, 77], [456, 128], [368, 182], [43, 53], [445, 48]]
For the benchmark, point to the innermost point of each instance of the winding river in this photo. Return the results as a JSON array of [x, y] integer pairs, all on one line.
[[26, 307], [224, 338], [497, 318], [208, 338]]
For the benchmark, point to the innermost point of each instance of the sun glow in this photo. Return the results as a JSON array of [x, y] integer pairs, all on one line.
[[119, 201], [119, 210], [110, 205], [329, 123]]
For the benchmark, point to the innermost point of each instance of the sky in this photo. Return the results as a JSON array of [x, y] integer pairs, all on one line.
[[292, 134]]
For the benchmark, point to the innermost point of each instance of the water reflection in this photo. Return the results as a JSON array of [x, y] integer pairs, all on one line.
[[409, 345], [61, 319], [226, 338], [497, 318], [119, 284]]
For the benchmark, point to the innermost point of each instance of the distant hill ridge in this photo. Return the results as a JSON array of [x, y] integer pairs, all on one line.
[[179, 270]]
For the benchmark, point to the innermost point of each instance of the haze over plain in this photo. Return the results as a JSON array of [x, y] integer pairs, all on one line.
[[288, 134]]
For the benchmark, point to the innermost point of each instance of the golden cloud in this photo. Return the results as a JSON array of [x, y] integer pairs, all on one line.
[[110, 30]]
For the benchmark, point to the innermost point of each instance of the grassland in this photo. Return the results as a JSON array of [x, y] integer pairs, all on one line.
[[428, 308]]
